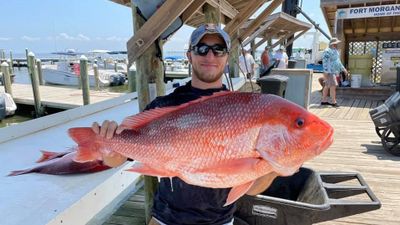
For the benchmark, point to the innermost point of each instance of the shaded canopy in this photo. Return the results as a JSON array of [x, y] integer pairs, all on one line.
[[229, 9], [278, 26]]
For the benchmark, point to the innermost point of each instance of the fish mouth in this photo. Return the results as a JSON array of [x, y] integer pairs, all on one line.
[[325, 142]]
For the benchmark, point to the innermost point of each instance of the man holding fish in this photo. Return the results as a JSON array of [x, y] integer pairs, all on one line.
[[202, 144]]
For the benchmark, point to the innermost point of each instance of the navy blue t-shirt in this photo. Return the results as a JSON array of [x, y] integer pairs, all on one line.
[[185, 204]]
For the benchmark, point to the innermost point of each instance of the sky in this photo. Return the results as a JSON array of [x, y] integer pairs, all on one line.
[[45, 26]]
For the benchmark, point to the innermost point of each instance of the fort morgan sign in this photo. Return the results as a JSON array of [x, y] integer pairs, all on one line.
[[370, 11]]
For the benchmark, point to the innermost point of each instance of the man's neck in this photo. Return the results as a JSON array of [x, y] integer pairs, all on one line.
[[196, 83]]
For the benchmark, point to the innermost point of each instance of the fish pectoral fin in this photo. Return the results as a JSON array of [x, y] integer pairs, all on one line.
[[237, 192], [233, 166], [150, 171]]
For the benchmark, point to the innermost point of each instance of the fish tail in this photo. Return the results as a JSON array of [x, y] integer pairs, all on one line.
[[87, 149], [19, 172]]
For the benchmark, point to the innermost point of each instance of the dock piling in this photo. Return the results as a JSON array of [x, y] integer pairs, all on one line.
[[132, 79], [35, 84], [40, 72], [12, 63], [6, 77], [96, 76], [84, 80]]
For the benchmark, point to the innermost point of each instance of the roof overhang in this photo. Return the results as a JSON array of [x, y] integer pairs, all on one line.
[[278, 26], [367, 28]]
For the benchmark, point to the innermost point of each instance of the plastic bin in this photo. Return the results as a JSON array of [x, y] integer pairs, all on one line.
[[388, 112], [306, 197], [291, 64], [273, 84]]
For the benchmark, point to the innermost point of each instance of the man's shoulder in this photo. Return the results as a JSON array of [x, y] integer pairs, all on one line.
[[167, 100]]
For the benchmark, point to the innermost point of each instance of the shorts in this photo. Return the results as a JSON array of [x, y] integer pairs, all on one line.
[[330, 80]]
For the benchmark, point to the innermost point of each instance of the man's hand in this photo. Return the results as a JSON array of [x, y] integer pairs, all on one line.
[[107, 130]]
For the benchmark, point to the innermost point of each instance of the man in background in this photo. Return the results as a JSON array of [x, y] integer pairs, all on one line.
[[247, 64]]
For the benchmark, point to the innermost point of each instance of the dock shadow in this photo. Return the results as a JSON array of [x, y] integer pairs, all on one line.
[[377, 150]]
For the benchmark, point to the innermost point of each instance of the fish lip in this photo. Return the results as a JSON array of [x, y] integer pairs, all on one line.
[[327, 142]]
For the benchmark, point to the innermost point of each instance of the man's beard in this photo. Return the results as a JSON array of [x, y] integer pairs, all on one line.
[[206, 77]]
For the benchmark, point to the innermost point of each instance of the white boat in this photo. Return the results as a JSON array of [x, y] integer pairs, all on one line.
[[67, 73], [7, 105], [176, 67]]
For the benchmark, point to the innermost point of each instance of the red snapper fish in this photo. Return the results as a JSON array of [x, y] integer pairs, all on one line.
[[59, 163], [225, 140]]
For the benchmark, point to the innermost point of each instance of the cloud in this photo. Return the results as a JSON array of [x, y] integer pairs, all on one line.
[[82, 37], [4, 39], [27, 38], [79, 37], [115, 38], [64, 36]]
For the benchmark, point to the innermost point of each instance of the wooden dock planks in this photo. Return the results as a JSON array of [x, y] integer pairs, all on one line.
[[57, 96]]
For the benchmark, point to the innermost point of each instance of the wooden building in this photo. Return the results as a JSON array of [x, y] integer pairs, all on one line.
[[365, 27]]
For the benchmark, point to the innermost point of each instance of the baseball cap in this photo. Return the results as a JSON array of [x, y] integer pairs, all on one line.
[[209, 28], [334, 41]]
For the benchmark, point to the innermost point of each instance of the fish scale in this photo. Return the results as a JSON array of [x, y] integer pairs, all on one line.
[[225, 140]]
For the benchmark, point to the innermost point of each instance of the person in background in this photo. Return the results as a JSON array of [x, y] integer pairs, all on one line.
[[247, 64], [281, 58], [331, 67], [187, 204], [265, 59]]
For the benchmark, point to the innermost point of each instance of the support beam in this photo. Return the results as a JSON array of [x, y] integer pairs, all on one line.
[[258, 44], [149, 70], [155, 26], [282, 39], [192, 9], [260, 19], [257, 33], [211, 14], [225, 7], [243, 16], [295, 37]]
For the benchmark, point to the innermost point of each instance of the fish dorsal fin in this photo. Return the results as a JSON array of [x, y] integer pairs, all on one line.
[[137, 121]]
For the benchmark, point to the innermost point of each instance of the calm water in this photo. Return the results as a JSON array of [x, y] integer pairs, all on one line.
[[22, 77]]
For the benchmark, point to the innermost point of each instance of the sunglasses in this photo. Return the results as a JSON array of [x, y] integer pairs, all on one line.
[[217, 50]]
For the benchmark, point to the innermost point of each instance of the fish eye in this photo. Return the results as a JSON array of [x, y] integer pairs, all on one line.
[[299, 122]]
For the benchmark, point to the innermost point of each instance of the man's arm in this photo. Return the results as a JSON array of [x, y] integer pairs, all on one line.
[[262, 183]]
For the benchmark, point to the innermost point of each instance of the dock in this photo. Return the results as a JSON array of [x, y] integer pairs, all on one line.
[[356, 148], [58, 97]]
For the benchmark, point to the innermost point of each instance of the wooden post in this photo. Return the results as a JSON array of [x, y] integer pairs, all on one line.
[[84, 79], [253, 49], [115, 66], [40, 72], [27, 59], [211, 14], [12, 62], [35, 84], [6, 78], [96, 77], [9, 66], [132, 79], [234, 59], [149, 69]]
